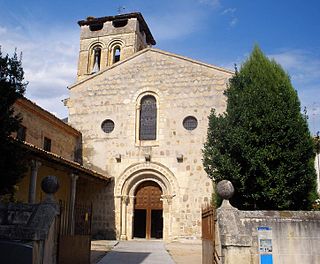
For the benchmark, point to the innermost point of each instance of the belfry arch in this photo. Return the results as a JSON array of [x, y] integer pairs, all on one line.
[[128, 185]]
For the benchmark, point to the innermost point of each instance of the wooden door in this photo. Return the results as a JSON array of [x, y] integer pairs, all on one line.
[[148, 198]]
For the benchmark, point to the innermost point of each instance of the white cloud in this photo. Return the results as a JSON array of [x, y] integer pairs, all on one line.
[[167, 28], [49, 62], [302, 65], [181, 18], [233, 22], [304, 70], [229, 11]]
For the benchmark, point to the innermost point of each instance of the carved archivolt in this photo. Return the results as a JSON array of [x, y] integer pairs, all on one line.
[[147, 171]]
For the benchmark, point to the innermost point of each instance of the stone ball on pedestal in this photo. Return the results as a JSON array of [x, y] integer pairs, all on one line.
[[50, 184], [225, 189]]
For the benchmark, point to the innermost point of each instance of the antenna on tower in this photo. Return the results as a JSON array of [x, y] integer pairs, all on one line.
[[121, 10]]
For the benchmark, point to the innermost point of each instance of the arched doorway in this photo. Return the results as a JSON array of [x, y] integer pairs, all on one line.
[[148, 211], [126, 188]]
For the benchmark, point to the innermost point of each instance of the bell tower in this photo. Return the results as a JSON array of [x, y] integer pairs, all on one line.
[[107, 40]]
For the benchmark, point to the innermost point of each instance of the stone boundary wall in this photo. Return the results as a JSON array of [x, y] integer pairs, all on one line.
[[295, 235]]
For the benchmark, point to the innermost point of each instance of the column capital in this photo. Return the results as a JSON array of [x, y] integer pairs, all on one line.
[[168, 198], [74, 177], [35, 164], [125, 199]]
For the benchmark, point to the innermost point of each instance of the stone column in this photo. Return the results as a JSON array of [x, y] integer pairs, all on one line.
[[74, 179], [124, 201], [118, 215], [35, 164], [130, 215], [167, 217]]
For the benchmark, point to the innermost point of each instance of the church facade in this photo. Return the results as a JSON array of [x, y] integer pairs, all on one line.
[[143, 115]]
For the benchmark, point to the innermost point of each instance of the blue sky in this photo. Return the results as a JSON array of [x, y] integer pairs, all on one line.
[[219, 32]]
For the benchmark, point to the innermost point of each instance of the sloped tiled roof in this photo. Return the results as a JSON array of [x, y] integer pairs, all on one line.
[[54, 158]]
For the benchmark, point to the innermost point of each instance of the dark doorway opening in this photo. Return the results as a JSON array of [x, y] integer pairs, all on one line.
[[148, 221], [139, 228], [156, 223]]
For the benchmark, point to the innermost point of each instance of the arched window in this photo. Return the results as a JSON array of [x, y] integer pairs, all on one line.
[[148, 118], [96, 59], [116, 54]]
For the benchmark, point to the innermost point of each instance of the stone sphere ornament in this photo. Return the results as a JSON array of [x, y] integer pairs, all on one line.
[[50, 184], [225, 189]]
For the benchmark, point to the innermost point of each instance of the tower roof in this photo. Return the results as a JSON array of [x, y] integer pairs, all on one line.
[[92, 21]]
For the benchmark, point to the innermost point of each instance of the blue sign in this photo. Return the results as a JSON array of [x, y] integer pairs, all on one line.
[[266, 259], [265, 244], [264, 228]]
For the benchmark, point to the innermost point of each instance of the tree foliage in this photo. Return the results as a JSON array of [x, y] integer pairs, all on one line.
[[262, 143], [12, 87]]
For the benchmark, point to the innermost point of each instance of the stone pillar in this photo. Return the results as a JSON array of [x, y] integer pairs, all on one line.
[[73, 192], [118, 215], [130, 213], [35, 164], [124, 201], [167, 217]]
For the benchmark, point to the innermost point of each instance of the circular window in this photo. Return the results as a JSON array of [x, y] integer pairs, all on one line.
[[190, 123], [107, 126]]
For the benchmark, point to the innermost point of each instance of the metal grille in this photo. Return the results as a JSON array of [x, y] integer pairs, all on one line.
[[148, 118], [107, 126], [190, 123], [82, 218]]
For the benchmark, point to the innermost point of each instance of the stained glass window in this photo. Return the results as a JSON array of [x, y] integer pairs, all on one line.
[[190, 123], [148, 118], [107, 126]]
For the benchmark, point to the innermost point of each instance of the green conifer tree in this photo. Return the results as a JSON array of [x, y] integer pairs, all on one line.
[[12, 87], [262, 143]]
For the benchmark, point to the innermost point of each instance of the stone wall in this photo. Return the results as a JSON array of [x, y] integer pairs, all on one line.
[[182, 87], [295, 236], [128, 37], [101, 196], [29, 233], [65, 140]]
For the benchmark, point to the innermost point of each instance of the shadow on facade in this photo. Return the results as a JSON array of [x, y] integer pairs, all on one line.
[[101, 195]]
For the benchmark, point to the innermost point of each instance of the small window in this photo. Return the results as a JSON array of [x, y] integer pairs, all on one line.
[[96, 59], [148, 118], [21, 133], [116, 56], [96, 27], [107, 126], [47, 144], [190, 123], [119, 23]]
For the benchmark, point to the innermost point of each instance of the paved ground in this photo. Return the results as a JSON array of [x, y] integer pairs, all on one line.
[[145, 252], [189, 252], [99, 248], [138, 252]]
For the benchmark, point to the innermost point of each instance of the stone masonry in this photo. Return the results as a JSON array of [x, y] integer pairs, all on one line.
[[182, 87]]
